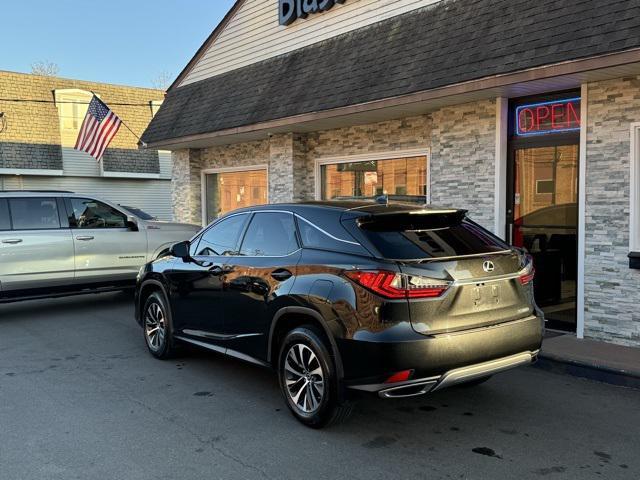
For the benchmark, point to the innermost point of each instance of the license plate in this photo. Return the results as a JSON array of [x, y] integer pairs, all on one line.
[[486, 295]]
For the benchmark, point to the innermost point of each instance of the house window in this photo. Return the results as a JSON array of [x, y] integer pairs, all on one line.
[[370, 178], [72, 108], [225, 190]]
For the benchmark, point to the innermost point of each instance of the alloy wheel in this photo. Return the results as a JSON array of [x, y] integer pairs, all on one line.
[[155, 326], [304, 378]]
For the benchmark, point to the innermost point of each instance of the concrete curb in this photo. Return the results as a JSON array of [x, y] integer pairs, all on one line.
[[602, 374]]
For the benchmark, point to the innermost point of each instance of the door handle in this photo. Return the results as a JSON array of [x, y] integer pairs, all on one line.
[[221, 270], [281, 274], [12, 241], [84, 238]]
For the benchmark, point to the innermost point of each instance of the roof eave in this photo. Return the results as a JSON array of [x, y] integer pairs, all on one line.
[[535, 74]]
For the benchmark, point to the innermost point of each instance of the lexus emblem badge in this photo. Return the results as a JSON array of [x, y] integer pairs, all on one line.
[[488, 266]]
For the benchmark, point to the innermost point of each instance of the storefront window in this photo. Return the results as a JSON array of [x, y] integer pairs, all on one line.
[[226, 191], [398, 176]]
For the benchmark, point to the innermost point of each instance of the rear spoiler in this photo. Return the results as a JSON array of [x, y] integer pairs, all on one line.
[[427, 218]]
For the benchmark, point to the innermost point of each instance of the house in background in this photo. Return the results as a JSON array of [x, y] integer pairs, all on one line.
[[41, 117]]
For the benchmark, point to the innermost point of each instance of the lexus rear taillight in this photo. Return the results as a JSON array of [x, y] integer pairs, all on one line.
[[527, 278], [397, 285], [528, 273]]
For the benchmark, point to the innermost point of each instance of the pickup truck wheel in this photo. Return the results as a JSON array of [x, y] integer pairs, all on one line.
[[157, 327]]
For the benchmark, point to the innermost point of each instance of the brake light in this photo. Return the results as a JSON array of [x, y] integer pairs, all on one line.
[[396, 285], [527, 278], [528, 273]]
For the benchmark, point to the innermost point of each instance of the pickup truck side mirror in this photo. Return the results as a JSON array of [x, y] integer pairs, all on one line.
[[132, 223], [180, 250]]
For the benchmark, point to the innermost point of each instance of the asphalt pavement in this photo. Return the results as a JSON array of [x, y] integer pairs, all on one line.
[[80, 398]]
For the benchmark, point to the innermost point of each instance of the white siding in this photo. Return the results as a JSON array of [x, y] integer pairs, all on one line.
[[79, 163], [254, 33], [152, 196], [164, 157]]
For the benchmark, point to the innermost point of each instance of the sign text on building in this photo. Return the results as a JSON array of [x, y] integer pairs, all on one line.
[[290, 10], [548, 117]]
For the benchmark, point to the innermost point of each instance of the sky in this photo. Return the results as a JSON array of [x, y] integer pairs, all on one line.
[[128, 42]]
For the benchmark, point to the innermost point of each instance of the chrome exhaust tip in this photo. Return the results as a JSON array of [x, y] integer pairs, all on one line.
[[410, 390]]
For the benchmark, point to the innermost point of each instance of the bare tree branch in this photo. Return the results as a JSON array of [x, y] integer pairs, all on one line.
[[45, 68], [162, 80]]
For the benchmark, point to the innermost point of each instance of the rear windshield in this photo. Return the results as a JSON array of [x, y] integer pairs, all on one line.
[[431, 238]]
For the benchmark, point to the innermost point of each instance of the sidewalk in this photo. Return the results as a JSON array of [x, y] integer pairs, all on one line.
[[600, 361]]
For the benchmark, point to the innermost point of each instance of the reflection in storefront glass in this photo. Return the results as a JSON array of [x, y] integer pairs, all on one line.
[[546, 222], [227, 191], [399, 176]]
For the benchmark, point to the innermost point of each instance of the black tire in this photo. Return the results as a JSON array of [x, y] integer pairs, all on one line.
[[156, 313], [323, 408], [476, 382]]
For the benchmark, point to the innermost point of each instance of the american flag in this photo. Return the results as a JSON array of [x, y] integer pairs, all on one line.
[[98, 129]]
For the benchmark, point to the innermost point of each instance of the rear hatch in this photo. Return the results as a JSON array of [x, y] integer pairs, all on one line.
[[478, 279]]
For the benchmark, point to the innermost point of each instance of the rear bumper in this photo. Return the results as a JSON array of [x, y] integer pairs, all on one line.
[[440, 360], [412, 388]]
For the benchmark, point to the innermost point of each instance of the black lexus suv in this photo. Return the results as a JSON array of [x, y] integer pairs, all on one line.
[[395, 299]]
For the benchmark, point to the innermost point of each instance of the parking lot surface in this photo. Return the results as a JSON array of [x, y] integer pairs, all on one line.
[[80, 398]]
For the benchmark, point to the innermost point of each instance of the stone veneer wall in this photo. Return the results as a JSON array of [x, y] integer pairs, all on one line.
[[185, 186], [186, 181], [455, 136], [612, 290], [404, 134], [463, 159]]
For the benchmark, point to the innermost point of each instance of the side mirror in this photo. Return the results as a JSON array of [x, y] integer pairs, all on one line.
[[132, 223], [180, 250]]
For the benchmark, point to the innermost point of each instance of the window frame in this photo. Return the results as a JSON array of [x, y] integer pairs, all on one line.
[[301, 218], [60, 210], [71, 213], [62, 96], [634, 189], [198, 239], [246, 229], [6, 203], [377, 156], [210, 171]]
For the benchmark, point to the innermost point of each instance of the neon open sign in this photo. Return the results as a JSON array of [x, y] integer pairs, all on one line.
[[548, 117]]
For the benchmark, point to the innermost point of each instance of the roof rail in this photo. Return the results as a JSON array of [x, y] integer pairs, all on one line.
[[385, 199]]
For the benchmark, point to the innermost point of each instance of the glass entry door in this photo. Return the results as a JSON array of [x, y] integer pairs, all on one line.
[[543, 218]]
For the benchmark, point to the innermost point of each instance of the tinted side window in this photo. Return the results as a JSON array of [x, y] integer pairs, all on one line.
[[34, 213], [88, 213], [5, 222], [270, 234], [223, 237], [314, 237]]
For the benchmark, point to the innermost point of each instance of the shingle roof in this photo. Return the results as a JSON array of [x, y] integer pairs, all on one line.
[[451, 42]]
